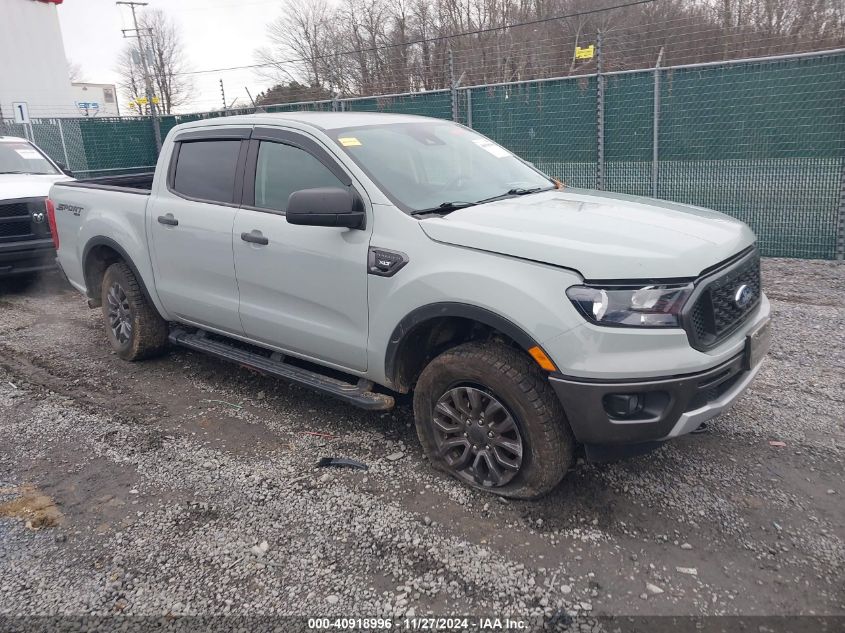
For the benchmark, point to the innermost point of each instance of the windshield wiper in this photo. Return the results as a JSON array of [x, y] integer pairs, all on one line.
[[510, 193], [445, 207], [521, 191], [517, 191]]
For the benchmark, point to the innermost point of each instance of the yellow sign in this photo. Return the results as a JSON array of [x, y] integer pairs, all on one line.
[[349, 141], [142, 101], [585, 53]]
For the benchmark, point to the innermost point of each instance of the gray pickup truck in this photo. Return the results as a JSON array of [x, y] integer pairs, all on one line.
[[364, 255]]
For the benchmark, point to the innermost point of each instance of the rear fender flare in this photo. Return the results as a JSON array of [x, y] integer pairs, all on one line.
[[93, 293]]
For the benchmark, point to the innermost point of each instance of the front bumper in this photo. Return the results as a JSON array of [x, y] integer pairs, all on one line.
[[672, 407], [26, 257]]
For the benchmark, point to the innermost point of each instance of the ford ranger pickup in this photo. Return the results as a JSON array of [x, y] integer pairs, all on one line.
[[365, 255]]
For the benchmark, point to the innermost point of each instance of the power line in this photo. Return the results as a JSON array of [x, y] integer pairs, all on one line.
[[424, 40]]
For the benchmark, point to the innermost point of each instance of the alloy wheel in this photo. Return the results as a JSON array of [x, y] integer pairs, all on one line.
[[119, 313], [477, 436]]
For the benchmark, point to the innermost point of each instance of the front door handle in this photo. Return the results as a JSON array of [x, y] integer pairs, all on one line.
[[255, 237], [168, 219]]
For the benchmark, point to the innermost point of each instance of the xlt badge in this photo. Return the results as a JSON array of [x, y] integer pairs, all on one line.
[[384, 262]]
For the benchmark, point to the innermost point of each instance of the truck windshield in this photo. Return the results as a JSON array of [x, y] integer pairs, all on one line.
[[18, 157], [437, 166]]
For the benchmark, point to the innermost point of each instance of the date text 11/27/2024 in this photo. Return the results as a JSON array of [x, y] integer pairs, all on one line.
[[420, 624]]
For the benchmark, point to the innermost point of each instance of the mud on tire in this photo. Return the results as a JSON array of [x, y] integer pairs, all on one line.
[[134, 327], [501, 382]]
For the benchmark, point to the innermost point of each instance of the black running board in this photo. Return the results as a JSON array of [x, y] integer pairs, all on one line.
[[359, 394]]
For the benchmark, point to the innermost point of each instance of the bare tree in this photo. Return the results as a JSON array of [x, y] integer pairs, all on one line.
[[369, 47], [131, 81], [166, 61], [301, 44]]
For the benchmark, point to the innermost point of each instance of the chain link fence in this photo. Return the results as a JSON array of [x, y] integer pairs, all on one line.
[[760, 139]]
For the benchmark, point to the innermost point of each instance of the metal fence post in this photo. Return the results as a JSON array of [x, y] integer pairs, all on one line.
[[469, 107], [655, 142], [64, 146], [453, 84], [599, 115]]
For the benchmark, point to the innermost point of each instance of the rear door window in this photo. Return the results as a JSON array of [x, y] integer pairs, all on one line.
[[206, 170]]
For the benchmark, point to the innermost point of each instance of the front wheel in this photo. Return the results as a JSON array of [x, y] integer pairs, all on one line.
[[134, 327], [486, 414]]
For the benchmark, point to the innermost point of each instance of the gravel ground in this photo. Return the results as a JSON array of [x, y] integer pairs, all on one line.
[[186, 485]]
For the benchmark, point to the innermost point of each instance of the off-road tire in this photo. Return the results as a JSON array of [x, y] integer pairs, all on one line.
[[148, 335], [517, 382]]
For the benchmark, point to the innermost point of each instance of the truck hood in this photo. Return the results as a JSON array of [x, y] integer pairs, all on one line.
[[601, 235], [14, 186]]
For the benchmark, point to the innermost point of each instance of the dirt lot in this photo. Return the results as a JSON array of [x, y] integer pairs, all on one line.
[[186, 485]]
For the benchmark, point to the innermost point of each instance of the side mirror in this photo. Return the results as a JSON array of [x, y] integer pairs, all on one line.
[[326, 206], [65, 170]]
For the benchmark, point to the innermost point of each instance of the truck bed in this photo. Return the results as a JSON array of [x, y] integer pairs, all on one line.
[[130, 183], [117, 206]]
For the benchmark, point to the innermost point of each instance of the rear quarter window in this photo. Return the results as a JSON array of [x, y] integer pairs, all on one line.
[[206, 170]]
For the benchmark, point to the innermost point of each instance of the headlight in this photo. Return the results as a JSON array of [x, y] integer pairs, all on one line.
[[649, 306]]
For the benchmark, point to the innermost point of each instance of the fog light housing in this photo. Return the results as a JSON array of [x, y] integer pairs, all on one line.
[[624, 405]]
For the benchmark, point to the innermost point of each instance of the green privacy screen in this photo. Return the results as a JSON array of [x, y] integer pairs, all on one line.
[[550, 123], [760, 140]]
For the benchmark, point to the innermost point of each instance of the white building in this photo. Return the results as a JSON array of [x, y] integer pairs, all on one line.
[[95, 99], [33, 66]]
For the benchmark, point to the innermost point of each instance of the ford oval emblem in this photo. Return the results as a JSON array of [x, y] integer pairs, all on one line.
[[743, 296]]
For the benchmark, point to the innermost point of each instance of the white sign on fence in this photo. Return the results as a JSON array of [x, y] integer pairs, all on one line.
[[21, 111]]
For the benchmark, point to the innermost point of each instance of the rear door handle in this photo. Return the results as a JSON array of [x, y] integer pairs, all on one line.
[[168, 219], [255, 237]]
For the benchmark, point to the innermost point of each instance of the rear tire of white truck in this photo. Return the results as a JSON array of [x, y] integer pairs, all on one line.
[[486, 414], [134, 328]]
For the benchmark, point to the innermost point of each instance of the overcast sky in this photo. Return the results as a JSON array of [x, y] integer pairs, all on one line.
[[216, 33]]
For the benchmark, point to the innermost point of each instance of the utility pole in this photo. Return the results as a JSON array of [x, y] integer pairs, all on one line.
[[142, 50], [223, 94]]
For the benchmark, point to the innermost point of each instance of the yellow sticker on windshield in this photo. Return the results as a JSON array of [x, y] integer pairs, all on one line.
[[349, 141]]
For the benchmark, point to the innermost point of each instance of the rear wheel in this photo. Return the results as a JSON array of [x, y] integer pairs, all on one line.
[[487, 415], [134, 328]]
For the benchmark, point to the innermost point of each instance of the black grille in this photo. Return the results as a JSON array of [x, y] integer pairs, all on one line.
[[16, 222], [715, 313], [710, 394], [16, 228], [14, 210]]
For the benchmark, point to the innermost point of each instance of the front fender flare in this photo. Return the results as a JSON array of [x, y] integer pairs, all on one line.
[[448, 309]]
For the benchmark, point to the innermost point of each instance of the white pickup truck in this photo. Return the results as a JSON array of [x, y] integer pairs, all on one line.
[[26, 174], [366, 254]]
